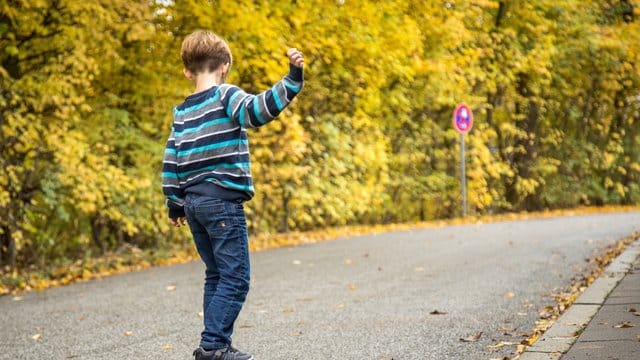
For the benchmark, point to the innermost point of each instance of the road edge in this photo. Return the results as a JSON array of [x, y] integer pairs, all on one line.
[[559, 338]]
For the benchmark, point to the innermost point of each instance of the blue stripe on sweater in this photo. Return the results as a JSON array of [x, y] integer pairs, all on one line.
[[235, 186], [213, 146], [241, 117], [291, 86], [215, 167], [230, 102], [276, 98], [222, 159], [256, 109]]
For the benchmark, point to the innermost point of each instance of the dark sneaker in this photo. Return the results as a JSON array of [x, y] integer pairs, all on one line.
[[229, 353]]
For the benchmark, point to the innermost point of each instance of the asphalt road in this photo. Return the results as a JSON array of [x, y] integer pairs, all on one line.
[[367, 297]]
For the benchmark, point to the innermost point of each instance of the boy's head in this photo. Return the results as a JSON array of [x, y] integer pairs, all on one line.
[[204, 51]]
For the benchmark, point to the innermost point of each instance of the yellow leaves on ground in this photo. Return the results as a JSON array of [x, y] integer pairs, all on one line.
[[564, 299], [110, 264]]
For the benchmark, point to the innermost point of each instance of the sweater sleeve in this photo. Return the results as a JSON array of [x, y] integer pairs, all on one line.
[[253, 111], [170, 180]]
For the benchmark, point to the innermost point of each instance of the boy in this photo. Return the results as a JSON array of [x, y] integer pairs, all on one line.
[[206, 177]]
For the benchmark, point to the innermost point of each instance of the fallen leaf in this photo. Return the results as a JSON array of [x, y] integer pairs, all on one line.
[[288, 310], [36, 337], [128, 333], [438, 312], [353, 287], [509, 295], [171, 288], [472, 338], [167, 347], [500, 345], [340, 306], [624, 325]]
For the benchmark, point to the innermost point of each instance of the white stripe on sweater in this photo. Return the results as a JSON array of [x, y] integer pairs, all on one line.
[[207, 135]]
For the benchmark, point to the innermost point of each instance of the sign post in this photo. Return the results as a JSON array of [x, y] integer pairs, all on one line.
[[463, 122]]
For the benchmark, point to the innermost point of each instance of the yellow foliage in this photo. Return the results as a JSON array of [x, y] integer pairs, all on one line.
[[87, 89]]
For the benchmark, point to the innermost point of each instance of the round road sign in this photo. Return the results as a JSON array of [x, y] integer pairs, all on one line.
[[462, 119]]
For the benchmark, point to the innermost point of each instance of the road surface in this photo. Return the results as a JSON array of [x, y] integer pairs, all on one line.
[[368, 297]]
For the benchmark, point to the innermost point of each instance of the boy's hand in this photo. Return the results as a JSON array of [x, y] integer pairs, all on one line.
[[295, 57], [177, 222]]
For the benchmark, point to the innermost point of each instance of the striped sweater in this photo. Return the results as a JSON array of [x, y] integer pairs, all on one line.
[[208, 145]]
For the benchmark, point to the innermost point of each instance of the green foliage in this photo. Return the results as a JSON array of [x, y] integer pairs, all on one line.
[[87, 88]]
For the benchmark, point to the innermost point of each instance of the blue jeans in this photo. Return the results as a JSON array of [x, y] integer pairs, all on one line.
[[219, 230]]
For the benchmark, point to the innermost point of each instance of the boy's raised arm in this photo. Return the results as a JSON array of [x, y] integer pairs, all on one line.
[[256, 110]]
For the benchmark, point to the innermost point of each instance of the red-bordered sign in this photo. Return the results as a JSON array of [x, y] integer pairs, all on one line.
[[462, 119]]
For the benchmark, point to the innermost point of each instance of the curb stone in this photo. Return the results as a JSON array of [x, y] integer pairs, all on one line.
[[559, 338]]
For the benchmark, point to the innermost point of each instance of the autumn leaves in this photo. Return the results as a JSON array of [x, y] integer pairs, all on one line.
[[87, 92]]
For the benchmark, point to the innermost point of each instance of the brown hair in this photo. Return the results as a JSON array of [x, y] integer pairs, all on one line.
[[203, 50]]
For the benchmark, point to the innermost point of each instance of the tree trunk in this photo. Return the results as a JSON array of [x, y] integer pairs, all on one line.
[[96, 234], [286, 197], [8, 253]]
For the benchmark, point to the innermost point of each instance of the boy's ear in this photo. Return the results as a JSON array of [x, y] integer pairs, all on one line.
[[188, 74], [225, 69]]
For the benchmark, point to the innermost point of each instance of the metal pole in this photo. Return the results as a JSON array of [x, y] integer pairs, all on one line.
[[464, 177]]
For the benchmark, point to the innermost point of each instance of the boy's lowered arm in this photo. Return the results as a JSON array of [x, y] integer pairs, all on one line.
[[170, 181], [253, 111]]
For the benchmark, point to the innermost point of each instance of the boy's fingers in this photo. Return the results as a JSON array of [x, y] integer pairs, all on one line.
[[177, 222], [293, 51]]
